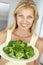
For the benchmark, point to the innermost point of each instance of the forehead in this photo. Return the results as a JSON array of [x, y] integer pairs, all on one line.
[[26, 11]]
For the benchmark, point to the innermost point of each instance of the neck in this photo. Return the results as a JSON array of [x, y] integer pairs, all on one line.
[[22, 33]]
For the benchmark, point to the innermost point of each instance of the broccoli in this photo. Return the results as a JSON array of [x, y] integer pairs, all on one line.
[[19, 49], [19, 55], [7, 49], [11, 54]]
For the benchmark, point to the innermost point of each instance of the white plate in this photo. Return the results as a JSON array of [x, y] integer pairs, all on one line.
[[4, 55]]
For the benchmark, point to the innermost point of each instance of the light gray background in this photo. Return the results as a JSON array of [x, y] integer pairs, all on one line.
[[13, 3]]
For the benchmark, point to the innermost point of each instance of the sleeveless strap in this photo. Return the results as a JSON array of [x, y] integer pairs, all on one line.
[[33, 39], [9, 32]]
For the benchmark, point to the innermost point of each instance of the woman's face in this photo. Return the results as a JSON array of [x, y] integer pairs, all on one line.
[[25, 18]]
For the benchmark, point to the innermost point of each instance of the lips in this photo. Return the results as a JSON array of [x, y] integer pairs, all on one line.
[[24, 25]]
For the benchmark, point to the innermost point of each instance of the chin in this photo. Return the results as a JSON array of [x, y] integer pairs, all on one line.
[[24, 28]]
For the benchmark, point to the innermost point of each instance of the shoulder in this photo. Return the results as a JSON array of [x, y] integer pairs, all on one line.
[[3, 32], [3, 35], [39, 39]]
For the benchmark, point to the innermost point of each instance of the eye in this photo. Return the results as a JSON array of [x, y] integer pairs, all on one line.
[[20, 15], [29, 17]]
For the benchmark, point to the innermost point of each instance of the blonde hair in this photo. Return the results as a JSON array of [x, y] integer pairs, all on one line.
[[26, 3]]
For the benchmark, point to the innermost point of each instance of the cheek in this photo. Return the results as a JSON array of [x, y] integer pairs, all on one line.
[[19, 20], [30, 22]]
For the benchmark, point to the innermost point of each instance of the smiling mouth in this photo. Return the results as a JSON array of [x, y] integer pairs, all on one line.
[[24, 25]]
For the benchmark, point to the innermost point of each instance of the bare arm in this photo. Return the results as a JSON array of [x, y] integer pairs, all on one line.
[[3, 35], [39, 46]]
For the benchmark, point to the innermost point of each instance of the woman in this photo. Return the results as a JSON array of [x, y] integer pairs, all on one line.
[[26, 16]]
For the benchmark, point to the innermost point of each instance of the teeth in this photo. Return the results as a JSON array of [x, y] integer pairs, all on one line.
[[24, 24]]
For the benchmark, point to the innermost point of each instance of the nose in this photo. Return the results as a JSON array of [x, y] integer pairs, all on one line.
[[24, 20]]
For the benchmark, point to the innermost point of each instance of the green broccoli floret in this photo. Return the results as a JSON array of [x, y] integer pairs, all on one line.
[[19, 55], [7, 49], [11, 54], [11, 44]]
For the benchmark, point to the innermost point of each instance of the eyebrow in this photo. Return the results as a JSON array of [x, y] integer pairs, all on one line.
[[29, 16]]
